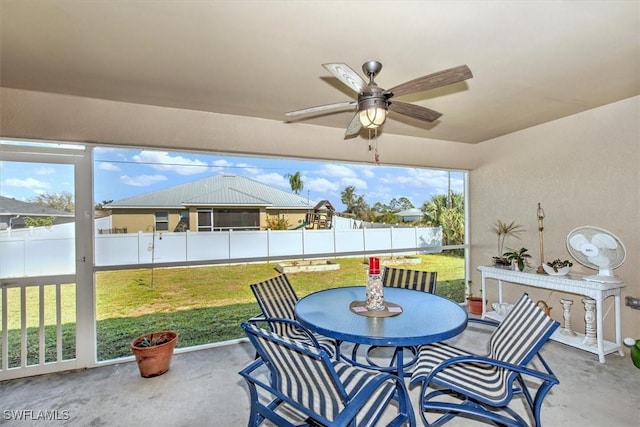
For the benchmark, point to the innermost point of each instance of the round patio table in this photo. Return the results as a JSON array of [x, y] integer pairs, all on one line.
[[425, 318]]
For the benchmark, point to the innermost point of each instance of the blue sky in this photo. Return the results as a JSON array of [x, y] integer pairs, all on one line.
[[122, 173]]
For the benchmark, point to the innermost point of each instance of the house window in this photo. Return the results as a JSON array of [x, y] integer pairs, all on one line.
[[183, 224], [162, 221], [205, 220], [228, 219]]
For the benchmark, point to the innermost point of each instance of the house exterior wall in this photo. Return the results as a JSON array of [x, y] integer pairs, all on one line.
[[584, 170], [143, 219], [135, 220]]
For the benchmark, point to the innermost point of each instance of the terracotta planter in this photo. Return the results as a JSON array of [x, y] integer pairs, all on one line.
[[474, 305], [154, 360]]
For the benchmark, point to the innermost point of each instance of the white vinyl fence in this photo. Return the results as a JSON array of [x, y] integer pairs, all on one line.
[[49, 251]]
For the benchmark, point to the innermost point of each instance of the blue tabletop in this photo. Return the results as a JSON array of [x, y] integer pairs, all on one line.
[[425, 318]]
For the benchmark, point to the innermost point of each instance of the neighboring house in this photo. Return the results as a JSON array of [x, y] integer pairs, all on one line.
[[409, 215], [215, 203], [13, 213]]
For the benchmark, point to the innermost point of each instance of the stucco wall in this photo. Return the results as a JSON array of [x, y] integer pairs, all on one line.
[[585, 170]]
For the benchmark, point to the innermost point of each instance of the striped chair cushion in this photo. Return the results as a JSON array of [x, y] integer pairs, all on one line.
[[277, 300], [410, 279], [516, 340], [307, 376], [276, 297]]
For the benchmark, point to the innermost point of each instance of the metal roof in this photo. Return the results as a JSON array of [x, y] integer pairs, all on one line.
[[217, 190], [10, 206]]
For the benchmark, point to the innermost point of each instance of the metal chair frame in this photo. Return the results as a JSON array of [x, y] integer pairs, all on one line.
[[305, 383], [483, 386]]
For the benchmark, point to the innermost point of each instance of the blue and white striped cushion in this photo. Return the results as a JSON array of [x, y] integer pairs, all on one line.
[[516, 340], [277, 299], [308, 380], [424, 281]]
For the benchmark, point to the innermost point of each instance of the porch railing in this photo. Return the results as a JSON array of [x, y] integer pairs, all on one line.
[[24, 346]]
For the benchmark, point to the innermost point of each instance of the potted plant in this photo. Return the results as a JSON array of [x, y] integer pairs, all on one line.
[[504, 230], [153, 352], [474, 304], [517, 258]]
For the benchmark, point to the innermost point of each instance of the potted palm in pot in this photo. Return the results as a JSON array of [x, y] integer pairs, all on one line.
[[153, 352], [504, 229], [517, 258]]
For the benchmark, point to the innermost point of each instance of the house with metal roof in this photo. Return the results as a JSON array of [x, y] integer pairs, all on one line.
[[216, 203], [13, 213]]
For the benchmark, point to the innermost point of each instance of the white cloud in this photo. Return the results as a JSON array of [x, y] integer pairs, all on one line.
[[108, 166], [164, 161], [358, 183], [338, 171], [31, 183], [273, 179], [246, 167], [321, 185], [142, 180]]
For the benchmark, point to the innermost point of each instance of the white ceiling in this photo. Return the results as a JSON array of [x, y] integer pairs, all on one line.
[[532, 62]]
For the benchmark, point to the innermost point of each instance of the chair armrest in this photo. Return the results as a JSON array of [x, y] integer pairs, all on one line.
[[545, 376], [483, 321]]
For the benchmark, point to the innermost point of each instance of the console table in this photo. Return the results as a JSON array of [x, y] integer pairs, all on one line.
[[572, 284]]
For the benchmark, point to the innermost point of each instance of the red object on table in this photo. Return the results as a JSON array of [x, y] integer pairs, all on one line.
[[374, 265]]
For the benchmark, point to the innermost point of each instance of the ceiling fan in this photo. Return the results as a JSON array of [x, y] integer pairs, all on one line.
[[374, 103]]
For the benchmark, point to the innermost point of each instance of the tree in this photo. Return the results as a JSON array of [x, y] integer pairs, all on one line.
[[295, 181], [356, 204], [446, 211], [62, 201], [348, 198]]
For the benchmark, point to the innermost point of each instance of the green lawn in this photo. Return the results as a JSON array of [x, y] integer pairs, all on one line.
[[203, 304]]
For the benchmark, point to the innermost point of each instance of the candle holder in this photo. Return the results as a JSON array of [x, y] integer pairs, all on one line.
[[374, 291]]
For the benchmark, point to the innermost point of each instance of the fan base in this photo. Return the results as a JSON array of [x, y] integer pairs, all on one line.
[[602, 279]]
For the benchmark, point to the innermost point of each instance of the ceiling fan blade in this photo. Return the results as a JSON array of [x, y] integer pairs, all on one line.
[[318, 108], [346, 75], [432, 81], [415, 111], [354, 127]]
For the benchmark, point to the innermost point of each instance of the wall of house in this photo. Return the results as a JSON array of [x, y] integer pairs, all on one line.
[[135, 220], [584, 170]]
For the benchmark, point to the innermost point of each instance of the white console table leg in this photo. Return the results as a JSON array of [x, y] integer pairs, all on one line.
[[589, 318], [617, 303]]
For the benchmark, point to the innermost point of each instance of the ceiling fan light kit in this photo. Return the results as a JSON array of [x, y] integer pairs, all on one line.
[[374, 103]]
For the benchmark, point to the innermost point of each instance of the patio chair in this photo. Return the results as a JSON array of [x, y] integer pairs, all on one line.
[[296, 384], [277, 300], [406, 279], [483, 387], [410, 279]]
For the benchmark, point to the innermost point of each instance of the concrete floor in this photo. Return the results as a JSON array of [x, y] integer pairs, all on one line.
[[203, 388]]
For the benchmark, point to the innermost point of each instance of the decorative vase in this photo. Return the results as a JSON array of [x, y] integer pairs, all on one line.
[[375, 292], [154, 360]]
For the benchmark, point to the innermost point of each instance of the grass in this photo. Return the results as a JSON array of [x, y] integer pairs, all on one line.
[[203, 304]]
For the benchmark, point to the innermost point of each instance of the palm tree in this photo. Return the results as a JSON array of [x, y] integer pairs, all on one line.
[[447, 212], [295, 181]]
